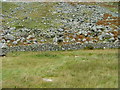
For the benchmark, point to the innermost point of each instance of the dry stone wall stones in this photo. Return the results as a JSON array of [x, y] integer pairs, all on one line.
[[3, 49], [52, 47]]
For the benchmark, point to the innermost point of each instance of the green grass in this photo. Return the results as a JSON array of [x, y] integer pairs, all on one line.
[[67, 69], [42, 11]]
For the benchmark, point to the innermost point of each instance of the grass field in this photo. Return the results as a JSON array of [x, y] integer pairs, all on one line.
[[62, 69]]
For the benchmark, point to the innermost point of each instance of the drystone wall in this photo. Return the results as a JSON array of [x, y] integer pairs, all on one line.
[[52, 47]]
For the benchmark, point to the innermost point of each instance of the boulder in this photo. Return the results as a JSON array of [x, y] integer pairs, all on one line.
[[15, 42], [9, 37]]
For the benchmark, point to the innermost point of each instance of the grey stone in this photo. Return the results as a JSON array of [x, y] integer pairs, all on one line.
[[112, 39], [13, 28], [30, 36], [100, 37], [3, 41], [9, 37], [3, 49], [60, 30], [15, 42]]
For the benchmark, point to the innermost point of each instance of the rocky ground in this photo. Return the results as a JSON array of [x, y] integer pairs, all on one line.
[[58, 23]]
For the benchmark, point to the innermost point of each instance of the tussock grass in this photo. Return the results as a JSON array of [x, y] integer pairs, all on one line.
[[67, 69]]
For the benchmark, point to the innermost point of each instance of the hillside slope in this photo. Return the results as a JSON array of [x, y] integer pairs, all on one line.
[[58, 23]]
